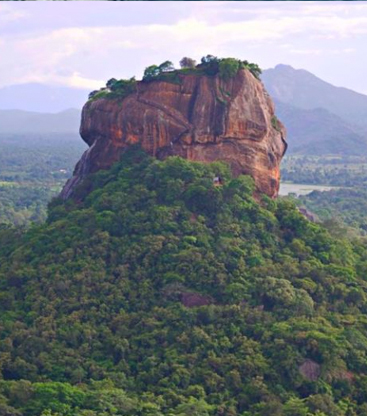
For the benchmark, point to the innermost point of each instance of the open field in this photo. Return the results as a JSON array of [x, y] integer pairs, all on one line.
[[301, 189]]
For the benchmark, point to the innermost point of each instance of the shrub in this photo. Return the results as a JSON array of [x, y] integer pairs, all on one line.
[[150, 72], [115, 89], [154, 71], [228, 68]]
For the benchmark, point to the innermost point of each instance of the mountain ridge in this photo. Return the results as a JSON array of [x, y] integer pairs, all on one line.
[[41, 98], [31, 122], [303, 89], [318, 131]]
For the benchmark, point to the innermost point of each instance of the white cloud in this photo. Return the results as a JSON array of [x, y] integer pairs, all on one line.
[[307, 51], [321, 51], [327, 9], [81, 56], [75, 80]]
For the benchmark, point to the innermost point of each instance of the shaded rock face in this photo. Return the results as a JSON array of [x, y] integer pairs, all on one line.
[[203, 119]]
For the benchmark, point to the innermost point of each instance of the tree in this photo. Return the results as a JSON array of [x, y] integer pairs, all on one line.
[[210, 64], [255, 70], [151, 72], [228, 68], [122, 86], [166, 66], [6, 410], [209, 59], [194, 407], [111, 82], [93, 94], [295, 407], [324, 403], [187, 63]]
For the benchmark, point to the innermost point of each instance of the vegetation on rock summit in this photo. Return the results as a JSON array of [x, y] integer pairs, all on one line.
[[210, 65]]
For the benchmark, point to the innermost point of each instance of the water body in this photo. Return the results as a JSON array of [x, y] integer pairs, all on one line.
[[301, 189]]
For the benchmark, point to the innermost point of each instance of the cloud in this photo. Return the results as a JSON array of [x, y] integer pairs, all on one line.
[[75, 80], [307, 51], [322, 51], [322, 9], [8, 14], [82, 56]]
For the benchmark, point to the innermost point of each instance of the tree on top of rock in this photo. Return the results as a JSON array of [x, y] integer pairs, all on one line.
[[166, 66], [187, 63]]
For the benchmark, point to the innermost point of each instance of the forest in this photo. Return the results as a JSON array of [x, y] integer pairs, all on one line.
[[348, 206], [33, 169], [345, 205], [155, 292], [345, 171]]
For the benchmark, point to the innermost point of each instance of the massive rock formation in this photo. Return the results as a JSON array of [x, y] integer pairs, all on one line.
[[202, 118]]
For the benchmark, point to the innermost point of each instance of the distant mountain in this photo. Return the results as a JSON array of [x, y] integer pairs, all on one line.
[[318, 131], [25, 122], [320, 118], [302, 89], [41, 98]]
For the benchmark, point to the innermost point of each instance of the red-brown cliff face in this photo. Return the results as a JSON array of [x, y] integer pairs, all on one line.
[[203, 119]]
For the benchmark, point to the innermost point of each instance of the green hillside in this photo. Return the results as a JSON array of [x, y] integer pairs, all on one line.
[[155, 292], [33, 169]]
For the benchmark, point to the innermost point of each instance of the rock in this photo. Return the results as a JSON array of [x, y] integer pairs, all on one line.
[[308, 214], [203, 118], [346, 375], [190, 300], [310, 370]]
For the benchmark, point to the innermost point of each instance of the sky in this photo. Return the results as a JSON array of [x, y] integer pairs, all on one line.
[[82, 44]]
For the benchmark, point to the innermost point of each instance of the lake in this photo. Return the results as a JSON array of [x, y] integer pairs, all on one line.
[[301, 189]]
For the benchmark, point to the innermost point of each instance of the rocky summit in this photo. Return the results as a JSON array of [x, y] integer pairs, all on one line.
[[199, 117]]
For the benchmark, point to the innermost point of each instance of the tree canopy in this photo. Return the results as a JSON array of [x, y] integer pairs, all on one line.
[[209, 65], [155, 292]]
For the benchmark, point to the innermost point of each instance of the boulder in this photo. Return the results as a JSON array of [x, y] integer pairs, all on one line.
[[202, 118]]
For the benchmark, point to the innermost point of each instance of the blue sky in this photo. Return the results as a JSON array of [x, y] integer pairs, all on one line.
[[81, 44]]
